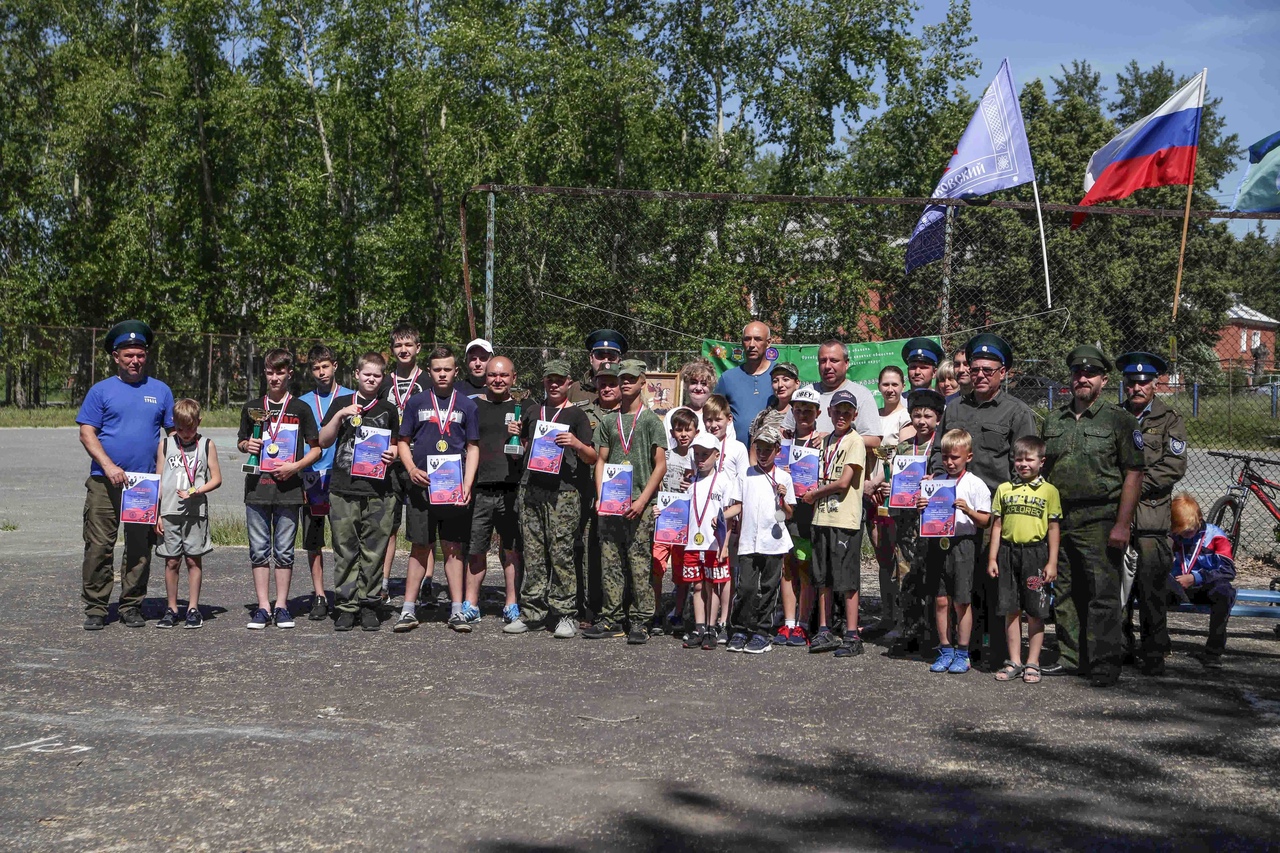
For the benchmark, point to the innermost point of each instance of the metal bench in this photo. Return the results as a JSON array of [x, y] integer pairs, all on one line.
[[1250, 603]]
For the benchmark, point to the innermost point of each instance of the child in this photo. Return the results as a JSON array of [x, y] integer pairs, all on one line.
[[323, 368], [767, 501], [699, 377], [950, 561], [272, 499], [837, 525], [189, 470], [405, 381], [1024, 556], [550, 505], [706, 553], [797, 585], [441, 422], [1203, 569], [683, 427], [632, 434], [361, 507], [734, 461]]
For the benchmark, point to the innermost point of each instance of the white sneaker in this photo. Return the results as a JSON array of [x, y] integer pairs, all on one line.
[[516, 626], [566, 629]]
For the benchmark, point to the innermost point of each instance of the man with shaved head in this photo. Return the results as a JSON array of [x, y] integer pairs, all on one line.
[[497, 484], [748, 386]]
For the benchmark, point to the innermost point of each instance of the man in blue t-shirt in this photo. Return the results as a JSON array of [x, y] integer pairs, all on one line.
[[749, 386], [120, 422], [324, 368]]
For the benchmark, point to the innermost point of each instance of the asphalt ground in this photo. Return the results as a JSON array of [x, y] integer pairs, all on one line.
[[224, 738]]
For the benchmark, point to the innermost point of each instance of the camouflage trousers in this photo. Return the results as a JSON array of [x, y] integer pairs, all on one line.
[[361, 529], [626, 558], [549, 524], [913, 596], [1088, 612]]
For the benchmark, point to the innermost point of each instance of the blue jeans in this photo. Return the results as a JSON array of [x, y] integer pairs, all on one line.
[[271, 533]]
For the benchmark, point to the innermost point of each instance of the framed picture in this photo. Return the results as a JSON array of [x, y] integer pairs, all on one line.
[[662, 392]]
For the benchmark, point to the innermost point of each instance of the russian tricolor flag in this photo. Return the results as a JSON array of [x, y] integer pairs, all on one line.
[[1156, 151]]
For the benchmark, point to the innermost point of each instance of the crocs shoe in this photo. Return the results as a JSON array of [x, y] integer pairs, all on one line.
[[946, 654]]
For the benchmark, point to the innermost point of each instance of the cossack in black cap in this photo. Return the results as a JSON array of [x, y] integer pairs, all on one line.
[[129, 333], [922, 349], [928, 398], [1141, 365], [607, 339], [988, 345], [1087, 355]]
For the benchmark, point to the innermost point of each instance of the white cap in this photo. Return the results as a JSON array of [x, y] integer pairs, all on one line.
[[807, 394], [707, 440], [479, 342]]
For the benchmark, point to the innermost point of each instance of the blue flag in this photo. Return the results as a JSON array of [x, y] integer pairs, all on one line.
[[1259, 191], [992, 155]]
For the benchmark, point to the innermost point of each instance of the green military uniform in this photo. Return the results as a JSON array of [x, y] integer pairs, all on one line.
[[1087, 459], [1164, 440]]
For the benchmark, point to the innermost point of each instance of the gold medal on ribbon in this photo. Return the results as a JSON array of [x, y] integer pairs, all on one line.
[[698, 539], [944, 543], [356, 420], [442, 445], [273, 449]]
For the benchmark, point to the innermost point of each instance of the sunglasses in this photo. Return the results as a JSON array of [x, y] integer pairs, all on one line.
[[1087, 371], [985, 371]]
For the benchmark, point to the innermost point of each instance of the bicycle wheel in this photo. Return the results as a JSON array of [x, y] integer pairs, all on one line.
[[1225, 513]]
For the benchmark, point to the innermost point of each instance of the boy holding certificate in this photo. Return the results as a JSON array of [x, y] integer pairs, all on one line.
[[405, 380], [717, 418], [324, 366], [556, 478], [682, 427], [952, 559], [273, 495], [837, 525], [631, 464], [439, 444], [797, 584], [361, 428], [713, 501]]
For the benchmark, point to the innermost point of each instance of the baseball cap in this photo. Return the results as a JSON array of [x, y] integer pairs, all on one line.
[[787, 368], [769, 435], [556, 367], [631, 367], [842, 396], [807, 394], [707, 440], [482, 344]]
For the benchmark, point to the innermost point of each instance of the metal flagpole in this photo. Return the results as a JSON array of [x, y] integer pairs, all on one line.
[[1044, 251], [946, 273], [1186, 220]]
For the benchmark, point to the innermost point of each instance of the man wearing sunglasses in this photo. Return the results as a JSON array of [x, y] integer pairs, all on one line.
[[1094, 455], [1147, 560]]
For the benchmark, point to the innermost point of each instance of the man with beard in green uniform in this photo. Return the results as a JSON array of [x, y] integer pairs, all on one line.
[[1093, 454]]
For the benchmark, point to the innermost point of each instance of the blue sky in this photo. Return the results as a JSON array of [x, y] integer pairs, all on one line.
[[1238, 40]]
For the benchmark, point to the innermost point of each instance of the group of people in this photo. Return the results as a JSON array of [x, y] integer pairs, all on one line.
[[1070, 519]]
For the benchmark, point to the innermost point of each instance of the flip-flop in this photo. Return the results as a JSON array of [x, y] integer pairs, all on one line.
[[1010, 671], [1031, 674]]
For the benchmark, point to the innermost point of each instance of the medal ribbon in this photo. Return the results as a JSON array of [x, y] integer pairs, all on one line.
[[625, 437], [1187, 564], [559, 409], [693, 499], [321, 412], [447, 421], [363, 409], [828, 459], [773, 481], [195, 467], [408, 392], [274, 429]]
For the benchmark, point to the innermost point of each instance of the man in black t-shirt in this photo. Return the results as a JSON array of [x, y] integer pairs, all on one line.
[[497, 481]]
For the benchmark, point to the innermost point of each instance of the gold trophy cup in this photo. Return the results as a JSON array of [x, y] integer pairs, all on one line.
[[259, 417], [884, 454]]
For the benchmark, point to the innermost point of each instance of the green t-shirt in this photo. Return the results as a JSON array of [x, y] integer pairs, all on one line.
[[643, 432], [1025, 510]]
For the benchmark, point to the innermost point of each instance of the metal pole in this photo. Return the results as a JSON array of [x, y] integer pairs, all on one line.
[[1274, 400], [488, 274], [1044, 251], [466, 266], [208, 375], [1182, 251], [93, 358], [1195, 399], [946, 275]]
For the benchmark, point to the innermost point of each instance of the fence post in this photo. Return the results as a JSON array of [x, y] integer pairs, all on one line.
[[1051, 398], [488, 273], [208, 374], [249, 372], [1195, 399], [1274, 388], [946, 274], [93, 366]]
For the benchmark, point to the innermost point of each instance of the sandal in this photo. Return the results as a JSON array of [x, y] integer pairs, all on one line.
[[1031, 674], [1010, 671]]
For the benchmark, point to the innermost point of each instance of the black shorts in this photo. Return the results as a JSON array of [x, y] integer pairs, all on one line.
[[494, 509], [399, 478], [837, 558], [426, 523], [312, 531], [1021, 582], [950, 571]]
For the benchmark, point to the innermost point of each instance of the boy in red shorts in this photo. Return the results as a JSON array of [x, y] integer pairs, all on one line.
[[712, 501]]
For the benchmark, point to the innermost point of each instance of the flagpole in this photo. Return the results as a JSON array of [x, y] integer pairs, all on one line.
[[1044, 251], [1186, 220]]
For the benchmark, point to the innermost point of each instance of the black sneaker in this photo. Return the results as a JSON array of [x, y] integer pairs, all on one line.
[[851, 648], [823, 641], [194, 619], [736, 643], [709, 639], [369, 620], [345, 622], [319, 608], [132, 618], [655, 627], [693, 639], [460, 623], [722, 634], [637, 636], [168, 620], [605, 628], [1153, 666], [95, 623], [406, 623], [1210, 660]]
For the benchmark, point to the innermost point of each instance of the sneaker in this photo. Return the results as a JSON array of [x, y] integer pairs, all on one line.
[[459, 623], [515, 626], [510, 614], [95, 623], [709, 639], [693, 639], [566, 629], [369, 620], [959, 664], [757, 645], [406, 623], [604, 629], [168, 620], [736, 643], [194, 619], [319, 608], [823, 641], [384, 595], [946, 654], [471, 613], [799, 637], [782, 637], [655, 628], [282, 618], [1153, 665], [132, 618], [722, 634], [1209, 660], [259, 620], [637, 636], [675, 622], [346, 620], [852, 647]]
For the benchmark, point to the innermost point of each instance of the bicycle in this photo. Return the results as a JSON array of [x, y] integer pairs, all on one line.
[[1228, 510]]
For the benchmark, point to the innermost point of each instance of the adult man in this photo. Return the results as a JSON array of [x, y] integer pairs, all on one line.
[[747, 386], [497, 484], [604, 346], [921, 356], [1148, 557], [1093, 454], [833, 367], [960, 363], [120, 422], [995, 421], [475, 363]]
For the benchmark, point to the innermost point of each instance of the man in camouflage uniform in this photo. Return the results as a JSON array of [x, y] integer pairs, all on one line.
[[1093, 454], [1149, 556]]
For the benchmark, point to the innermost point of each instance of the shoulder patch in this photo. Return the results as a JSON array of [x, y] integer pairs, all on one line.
[[1177, 446], [1137, 440]]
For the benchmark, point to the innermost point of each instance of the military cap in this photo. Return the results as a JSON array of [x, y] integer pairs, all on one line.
[[787, 368], [1142, 366], [610, 369], [1087, 355], [990, 346], [556, 367], [607, 339], [928, 398], [922, 349], [134, 333], [631, 367]]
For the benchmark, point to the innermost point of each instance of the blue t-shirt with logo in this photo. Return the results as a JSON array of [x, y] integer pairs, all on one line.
[[319, 407], [420, 426], [128, 418]]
